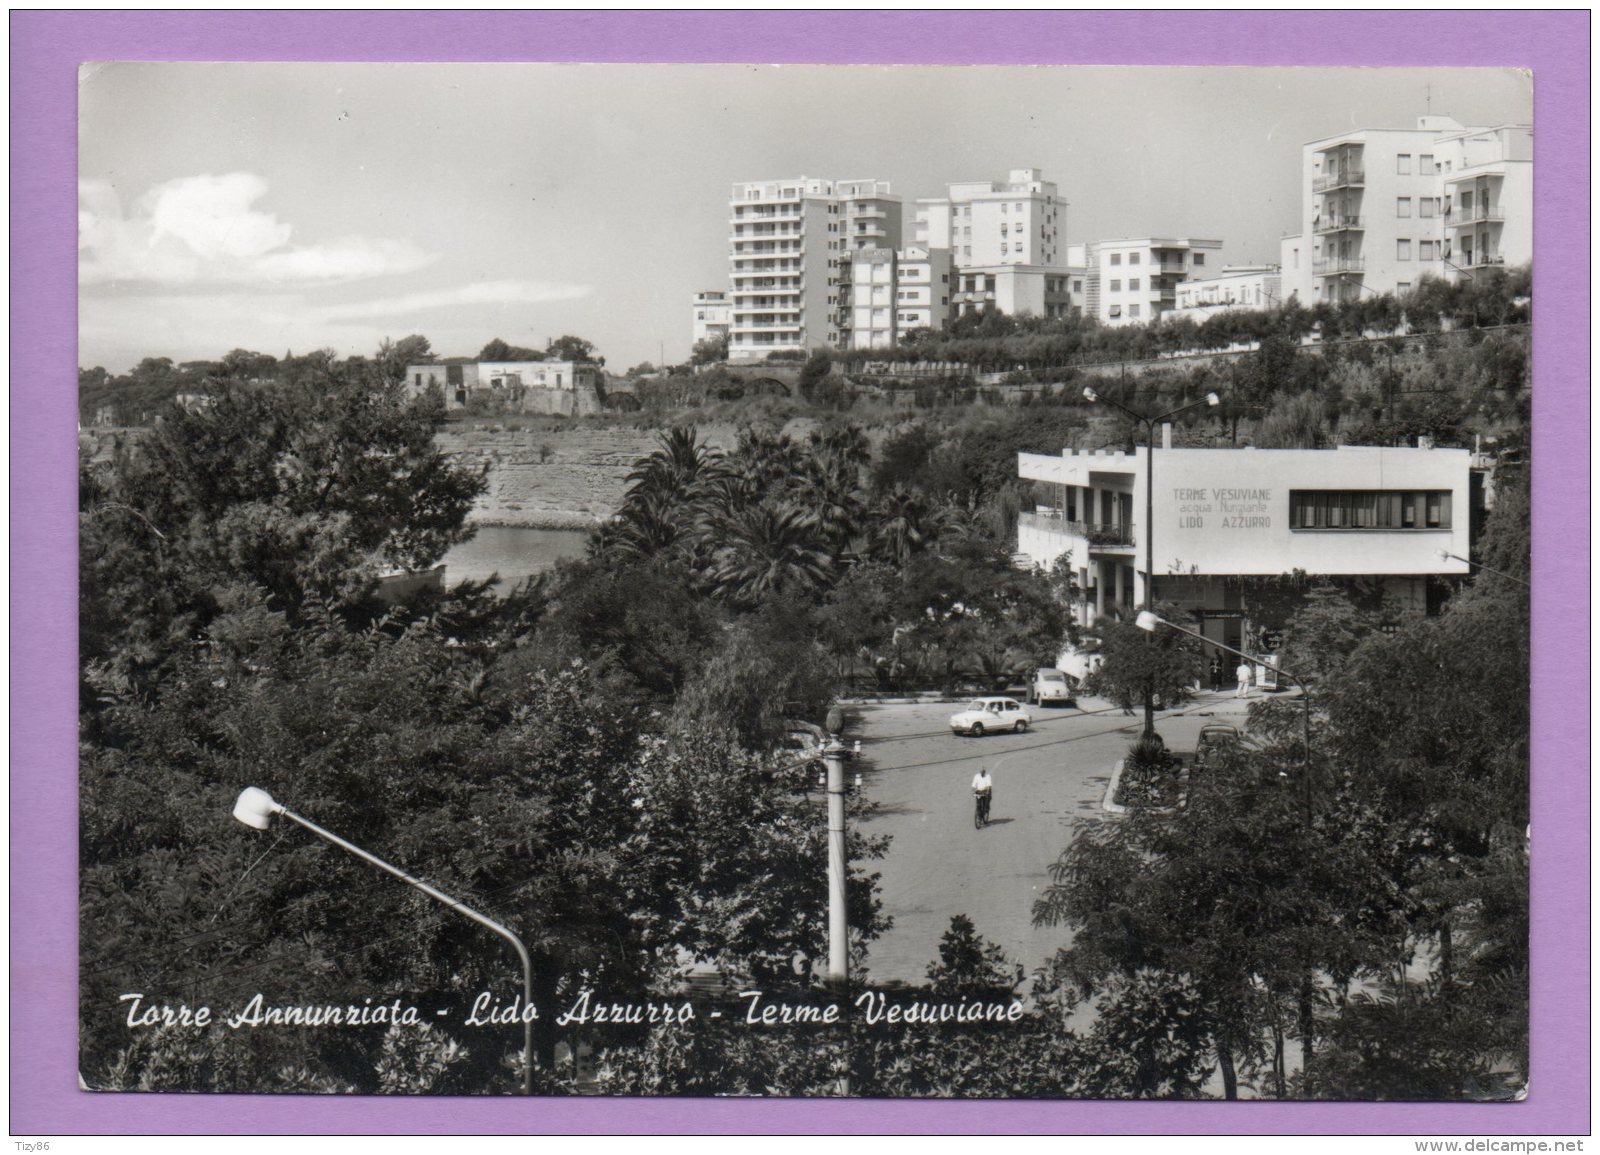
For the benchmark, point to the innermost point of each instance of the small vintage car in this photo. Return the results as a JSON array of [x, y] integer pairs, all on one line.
[[983, 715], [1215, 737], [1051, 687]]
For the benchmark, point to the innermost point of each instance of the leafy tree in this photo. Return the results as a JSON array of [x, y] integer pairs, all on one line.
[[498, 350], [570, 348], [285, 497], [709, 350], [1164, 663]]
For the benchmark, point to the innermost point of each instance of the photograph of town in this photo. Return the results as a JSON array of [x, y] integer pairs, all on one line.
[[822, 581]]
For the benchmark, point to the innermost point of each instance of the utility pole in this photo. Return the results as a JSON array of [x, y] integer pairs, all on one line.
[[838, 925]]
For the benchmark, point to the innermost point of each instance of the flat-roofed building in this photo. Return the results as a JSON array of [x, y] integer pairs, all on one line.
[[1235, 287], [1383, 207], [712, 312], [1134, 280], [893, 292], [1224, 516], [789, 259]]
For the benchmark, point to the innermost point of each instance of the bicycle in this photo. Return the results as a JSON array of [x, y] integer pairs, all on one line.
[[980, 811]]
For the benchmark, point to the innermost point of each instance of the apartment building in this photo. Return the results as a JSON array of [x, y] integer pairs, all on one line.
[[1018, 221], [1487, 192], [1222, 515], [893, 292], [1040, 290], [713, 313], [1381, 207], [789, 259], [1235, 287], [1134, 280]]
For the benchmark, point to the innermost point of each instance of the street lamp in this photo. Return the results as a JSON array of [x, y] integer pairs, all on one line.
[[1149, 621], [255, 808], [1211, 399], [1446, 555]]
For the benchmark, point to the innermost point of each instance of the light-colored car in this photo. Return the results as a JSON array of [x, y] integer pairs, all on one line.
[[985, 715], [1052, 687]]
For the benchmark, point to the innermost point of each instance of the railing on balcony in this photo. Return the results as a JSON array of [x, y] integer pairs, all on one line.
[[1473, 215], [1338, 265], [1099, 535], [1338, 224], [1350, 178]]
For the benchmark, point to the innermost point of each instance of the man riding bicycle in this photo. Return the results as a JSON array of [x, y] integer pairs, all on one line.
[[983, 794]]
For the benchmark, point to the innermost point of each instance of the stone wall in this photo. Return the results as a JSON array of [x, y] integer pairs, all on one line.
[[555, 478]]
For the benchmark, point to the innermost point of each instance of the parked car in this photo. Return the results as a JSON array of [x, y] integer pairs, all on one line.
[[1052, 686], [1215, 737], [986, 714]]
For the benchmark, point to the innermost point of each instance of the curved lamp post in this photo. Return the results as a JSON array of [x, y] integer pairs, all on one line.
[[1149, 621], [1211, 399], [1446, 555], [256, 808]]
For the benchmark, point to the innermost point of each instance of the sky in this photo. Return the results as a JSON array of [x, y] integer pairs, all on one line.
[[288, 207]]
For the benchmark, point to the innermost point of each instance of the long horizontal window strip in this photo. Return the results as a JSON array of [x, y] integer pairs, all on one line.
[[1370, 509]]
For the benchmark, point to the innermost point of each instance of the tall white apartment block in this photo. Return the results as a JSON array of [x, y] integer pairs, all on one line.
[[712, 313], [789, 246], [1487, 183], [1018, 221], [894, 292], [1134, 280], [1382, 207]]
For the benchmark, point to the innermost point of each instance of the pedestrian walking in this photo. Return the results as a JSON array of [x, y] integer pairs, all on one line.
[[1216, 670], [1246, 677]]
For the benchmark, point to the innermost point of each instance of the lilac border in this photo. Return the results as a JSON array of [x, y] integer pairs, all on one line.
[[46, 50]]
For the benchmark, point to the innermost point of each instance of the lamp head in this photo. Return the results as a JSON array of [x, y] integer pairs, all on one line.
[[1213, 400], [1089, 394], [255, 808], [1443, 554], [1147, 621]]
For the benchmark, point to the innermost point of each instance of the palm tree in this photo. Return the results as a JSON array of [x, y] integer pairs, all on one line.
[[765, 549], [904, 524], [678, 466]]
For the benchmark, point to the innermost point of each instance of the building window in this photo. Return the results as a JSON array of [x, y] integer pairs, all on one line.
[[1133, 258], [1428, 206], [1133, 285], [1116, 258], [1427, 250], [1077, 286], [1199, 258], [1402, 249], [1133, 310], [1369, 509], [1116, 310], [1425, 165], [1403, 164], [1116, 286], [1402, 207], [1402, 288]]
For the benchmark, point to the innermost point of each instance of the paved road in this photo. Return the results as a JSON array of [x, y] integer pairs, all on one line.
[[938, 865]]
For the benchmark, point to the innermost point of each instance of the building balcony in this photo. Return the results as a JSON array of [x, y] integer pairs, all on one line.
[[768, 289], [867, 214], [1350, 178], [1338, 225], [1100, 537], [764, 217], [762, 267], [764, 232], [769, 327], [1456, 218], [1338, 266]]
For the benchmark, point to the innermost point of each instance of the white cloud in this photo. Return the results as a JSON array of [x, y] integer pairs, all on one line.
[[204, 229], [478, 293]]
